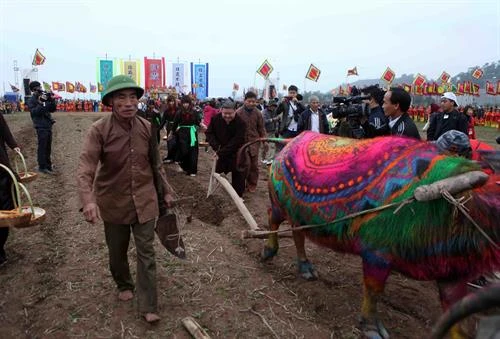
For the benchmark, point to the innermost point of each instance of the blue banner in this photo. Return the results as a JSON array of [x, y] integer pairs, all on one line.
[[199, 80], [105, 71]]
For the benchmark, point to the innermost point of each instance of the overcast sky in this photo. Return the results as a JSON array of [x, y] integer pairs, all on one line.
[[236, 37]]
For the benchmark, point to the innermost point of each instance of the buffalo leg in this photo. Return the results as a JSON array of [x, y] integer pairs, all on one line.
[[306, 269], [272, 245], [374, 278], [450, 293]]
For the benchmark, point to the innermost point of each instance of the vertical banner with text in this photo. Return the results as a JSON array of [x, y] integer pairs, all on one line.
[[154, 73], [132, 69], [199, 80], [105, 71], [178, 77]]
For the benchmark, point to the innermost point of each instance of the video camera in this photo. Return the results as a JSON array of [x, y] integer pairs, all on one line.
[[45, 96], [349, 110]]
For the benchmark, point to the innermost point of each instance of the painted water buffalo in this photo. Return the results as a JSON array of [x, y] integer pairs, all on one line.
[[316, 179]]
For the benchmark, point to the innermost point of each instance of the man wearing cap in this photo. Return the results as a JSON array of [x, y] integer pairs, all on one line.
[[396, 104], [447, 120], [115, 182], [41, 105], [226, 134]]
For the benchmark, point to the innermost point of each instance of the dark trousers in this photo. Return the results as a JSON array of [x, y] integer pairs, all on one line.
[[252, 171], [117, 239], [238, 182], [6, 203], [44, 148], [4, 234]]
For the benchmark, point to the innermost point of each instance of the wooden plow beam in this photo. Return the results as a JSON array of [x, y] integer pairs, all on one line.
[[217, 180]]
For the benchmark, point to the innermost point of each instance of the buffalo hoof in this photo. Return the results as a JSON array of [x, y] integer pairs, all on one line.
[[373, 329], [268, 253], [307, 270]]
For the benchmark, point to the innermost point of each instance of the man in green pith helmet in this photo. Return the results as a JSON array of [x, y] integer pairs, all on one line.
[[115, 181]]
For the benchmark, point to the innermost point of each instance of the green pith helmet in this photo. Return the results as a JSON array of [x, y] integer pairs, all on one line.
[[120, 82]]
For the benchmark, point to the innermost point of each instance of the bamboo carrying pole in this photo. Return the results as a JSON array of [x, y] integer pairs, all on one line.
[[453, 185], [194, 328]]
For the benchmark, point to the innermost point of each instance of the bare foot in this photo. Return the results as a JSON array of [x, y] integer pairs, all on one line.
[[151, 317], [125, 295]]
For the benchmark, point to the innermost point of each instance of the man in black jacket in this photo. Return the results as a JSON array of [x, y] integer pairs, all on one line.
[[447, 120], [288, 113], [226, 134], [377, 123], [396, 104], [313, 119], [41, 105]]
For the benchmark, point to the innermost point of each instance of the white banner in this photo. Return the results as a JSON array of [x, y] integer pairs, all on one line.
[[178, 77]]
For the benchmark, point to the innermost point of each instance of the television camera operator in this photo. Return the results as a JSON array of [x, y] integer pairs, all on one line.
[[348, 113], [41, 105], [375, 123]]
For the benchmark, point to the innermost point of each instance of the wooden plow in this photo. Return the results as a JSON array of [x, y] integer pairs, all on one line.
[[217, 180]]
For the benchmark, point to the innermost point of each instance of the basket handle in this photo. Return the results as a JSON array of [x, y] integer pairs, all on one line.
[[23, 161], [15, 185]]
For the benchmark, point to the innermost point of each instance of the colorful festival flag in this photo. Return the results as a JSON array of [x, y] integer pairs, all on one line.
[[388, 75], [419, 80], [444, 77], [38, 59], [70, 88], [468, 87], [105, 71], [460, 88], [62, 87], [93, 88], [154, 73], [46, 86], [285, 87], [55, 86], [498, 87], [265, 69], [313, 73], [131, 68], [353, 71], [100, 87], [178, 77], [14, 88], [490, 88], [478, 73], [475, 89], [418, 90], [199, 76], [407, 88], [236, 87]]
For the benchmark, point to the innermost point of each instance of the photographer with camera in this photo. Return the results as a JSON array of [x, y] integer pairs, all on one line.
[[41, 105], [289, 112], [376, 123]]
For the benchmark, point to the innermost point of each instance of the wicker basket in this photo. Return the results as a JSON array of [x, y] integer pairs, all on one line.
[[24, 176], [20, 216]]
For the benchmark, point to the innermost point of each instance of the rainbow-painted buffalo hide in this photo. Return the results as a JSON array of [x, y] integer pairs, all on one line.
[[318, 178]]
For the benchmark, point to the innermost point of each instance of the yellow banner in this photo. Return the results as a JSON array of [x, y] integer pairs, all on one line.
[[131, 69]]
